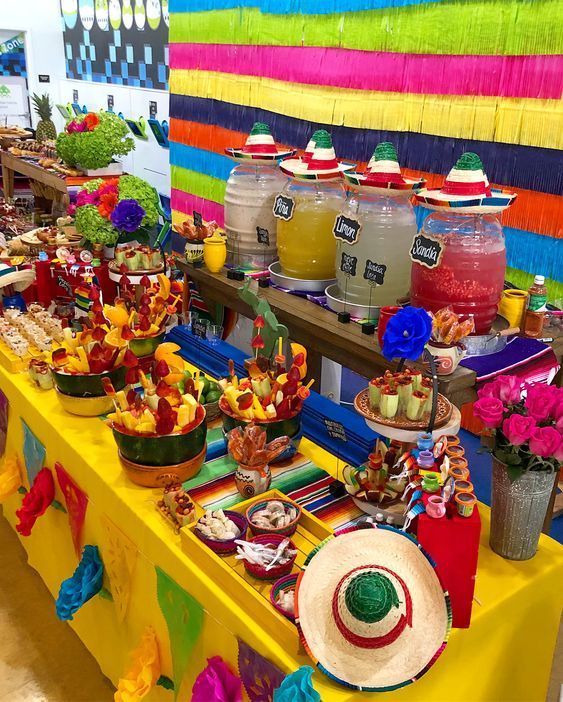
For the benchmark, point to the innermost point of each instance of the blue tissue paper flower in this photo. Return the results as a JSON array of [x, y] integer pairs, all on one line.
[[85, 582], [407, 334], [127, 215], [297, 687]]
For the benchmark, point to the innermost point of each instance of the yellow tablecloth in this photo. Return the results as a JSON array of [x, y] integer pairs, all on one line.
[[505, 655]]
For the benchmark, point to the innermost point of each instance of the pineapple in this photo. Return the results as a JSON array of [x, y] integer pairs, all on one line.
[[44, 110]]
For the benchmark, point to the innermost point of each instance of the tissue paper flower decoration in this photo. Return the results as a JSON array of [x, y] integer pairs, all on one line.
[[85, 582], [407, 334], [143, 672], [36, 501], [297, 687], [10, 477], [127, 216], [216, 682]]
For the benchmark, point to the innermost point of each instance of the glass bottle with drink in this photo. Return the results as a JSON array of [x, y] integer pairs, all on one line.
[[536, 309]]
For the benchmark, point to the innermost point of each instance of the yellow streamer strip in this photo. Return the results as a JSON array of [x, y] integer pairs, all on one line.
[[512, 120]]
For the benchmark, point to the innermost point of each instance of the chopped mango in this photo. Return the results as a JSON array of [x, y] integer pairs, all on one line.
[[121, 398], [129, 421], [271, 412], [145, 428], [258, 409]]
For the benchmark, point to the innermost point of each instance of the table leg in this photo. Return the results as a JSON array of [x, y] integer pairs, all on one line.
[[7, 181]]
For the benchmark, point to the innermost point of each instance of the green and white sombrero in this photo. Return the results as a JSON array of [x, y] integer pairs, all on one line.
[[466, 190], [260, 147], [371, 610], [19, 278], [383, 174], [320, 163]]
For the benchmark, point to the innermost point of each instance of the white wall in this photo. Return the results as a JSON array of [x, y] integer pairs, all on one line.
[[42, 23]]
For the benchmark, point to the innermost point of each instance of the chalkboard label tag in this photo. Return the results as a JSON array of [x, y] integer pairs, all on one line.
[[44, 78], [263, 236], [348, 264], [375, 272], [198, 219], [426, 251], [335, 430], [346, 229], [199, 328], [283, 207]]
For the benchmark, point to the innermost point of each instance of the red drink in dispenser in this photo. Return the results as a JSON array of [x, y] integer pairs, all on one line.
[[459, 257]]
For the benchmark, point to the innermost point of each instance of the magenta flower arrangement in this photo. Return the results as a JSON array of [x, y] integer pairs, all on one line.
[[526, 424]]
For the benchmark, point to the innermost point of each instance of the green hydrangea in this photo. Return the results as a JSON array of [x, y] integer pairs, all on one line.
[[93, 227], [133, 188], [96, 149]]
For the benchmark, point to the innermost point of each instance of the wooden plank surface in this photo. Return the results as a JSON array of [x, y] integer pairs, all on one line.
[[321, 332], [33, 171]]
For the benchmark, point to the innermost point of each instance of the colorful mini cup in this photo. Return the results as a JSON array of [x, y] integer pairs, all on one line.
[[455, 451], [459, 474], [425, 442], [436, 506], [463, 486], [430, 482], [214, 253], [452, 439], [385, 314], [465, 502]]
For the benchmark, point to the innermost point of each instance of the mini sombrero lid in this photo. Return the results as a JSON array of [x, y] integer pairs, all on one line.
[[371, 610], [260, 147], [383, 173], [19, 278], [318, 162], [467, 190]]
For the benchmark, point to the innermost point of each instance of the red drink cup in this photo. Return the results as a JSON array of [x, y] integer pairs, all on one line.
[[385, 314]]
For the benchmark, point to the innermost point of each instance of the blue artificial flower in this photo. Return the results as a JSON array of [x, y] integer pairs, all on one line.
[[85, 582], [407, 334], [127, 216], [297, 687]]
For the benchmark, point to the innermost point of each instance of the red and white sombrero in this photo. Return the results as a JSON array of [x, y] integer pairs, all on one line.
[[319, 160], [260, 147], [383, 174], [371, 610], [466, 190]]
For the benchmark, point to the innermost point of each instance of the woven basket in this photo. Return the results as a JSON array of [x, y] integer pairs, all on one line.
[[225, 546], [288, 582], [287, 530], [260, 572]]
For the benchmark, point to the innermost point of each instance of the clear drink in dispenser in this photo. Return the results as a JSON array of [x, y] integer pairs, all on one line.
[[459, 257], [252, 185]]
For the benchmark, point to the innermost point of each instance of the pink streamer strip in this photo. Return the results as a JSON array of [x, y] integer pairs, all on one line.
[[187, 203], [506, 76]]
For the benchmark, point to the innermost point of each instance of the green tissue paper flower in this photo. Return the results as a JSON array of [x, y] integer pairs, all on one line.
[[98, 148], [93, 227], [133, 188]]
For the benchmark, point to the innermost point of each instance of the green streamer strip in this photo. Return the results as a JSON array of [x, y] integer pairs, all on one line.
[[506, 27], [198, 184], [522, 281]]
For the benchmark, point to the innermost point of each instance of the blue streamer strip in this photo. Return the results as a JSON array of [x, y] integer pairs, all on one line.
[[508, 164], [288, 7], [199, 160]]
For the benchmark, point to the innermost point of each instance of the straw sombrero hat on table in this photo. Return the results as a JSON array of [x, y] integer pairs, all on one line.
[[260, 147], [383, 174], [19, 278], [466, 190], [371, 610], [318, 162]]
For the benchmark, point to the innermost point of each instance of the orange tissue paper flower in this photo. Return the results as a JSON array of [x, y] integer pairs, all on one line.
[[108, 201], [91, 120]]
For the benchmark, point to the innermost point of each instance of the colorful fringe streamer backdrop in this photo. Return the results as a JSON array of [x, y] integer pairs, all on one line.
[[435, 77]]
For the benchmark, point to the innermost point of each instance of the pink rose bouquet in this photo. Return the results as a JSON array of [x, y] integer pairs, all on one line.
[[526, 424]]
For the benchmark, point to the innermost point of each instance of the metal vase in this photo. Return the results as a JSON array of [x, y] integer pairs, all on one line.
[[518, 511]]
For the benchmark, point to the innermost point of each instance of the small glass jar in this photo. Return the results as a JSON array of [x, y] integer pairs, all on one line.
[[306, 243]]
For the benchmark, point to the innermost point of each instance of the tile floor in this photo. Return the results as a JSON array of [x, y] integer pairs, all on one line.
[[42, 659]]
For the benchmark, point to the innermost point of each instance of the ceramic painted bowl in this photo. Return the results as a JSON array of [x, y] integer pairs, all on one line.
[[274, 428], [225, 546], [88, 384], [287, 530], [85, 406], [168, 450], [146, 346]]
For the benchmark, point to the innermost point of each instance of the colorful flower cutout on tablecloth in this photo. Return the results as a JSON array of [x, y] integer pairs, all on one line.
[[4, 412], [184, 619], [10, 476], [217, 682], [36, 501], [85, 582], [407, 333], [120, 557], [259, 677], [33, 453], [76, 501], [143, 672], [298, 687]]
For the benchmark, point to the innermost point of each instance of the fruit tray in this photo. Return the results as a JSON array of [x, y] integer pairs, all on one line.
[[239, 585]]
